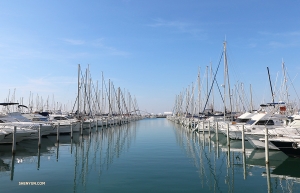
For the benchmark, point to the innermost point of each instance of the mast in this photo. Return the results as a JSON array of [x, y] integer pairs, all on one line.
[[199, 91], [285, 82], [225, 71], [271, 86], [251, 100], [207, 82], [211, 77]]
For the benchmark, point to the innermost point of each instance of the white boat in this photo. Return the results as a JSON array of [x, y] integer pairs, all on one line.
[[21, 133], [64, 123], [235, 127], [17, 119]]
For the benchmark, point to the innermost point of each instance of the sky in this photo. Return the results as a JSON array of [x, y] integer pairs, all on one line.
[[152, 49]]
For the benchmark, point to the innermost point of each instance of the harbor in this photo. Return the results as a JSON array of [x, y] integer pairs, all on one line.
[[106, 142], [147, 155], [149, 96]]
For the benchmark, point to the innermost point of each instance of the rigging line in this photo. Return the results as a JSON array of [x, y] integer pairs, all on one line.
[[240, 99], [213, 84], [293, 86]]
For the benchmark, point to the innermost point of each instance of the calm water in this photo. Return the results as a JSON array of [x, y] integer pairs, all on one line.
[[151, 155]]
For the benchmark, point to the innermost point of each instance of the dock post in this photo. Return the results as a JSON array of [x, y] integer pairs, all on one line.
[[14, 140], [243, 138], [39, 133], [71, 131], [90, 126], [96, 124], [209, 129], [228, 139], [81, 127], [217, 130], [57, 133], [267, 145], [71, 145]]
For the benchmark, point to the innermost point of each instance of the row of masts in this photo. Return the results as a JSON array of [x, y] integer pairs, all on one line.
[[232, 99], [92, 100], [109, 100]]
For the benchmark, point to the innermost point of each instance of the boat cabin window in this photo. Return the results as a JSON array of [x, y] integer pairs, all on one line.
[[250, 122], [239, 120], [39, 119], [265, 122], [60, 118], [2, 121]]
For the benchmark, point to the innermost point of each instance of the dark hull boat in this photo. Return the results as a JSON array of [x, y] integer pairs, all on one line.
[[288, 146]]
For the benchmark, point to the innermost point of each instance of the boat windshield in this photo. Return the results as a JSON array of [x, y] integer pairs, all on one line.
[[265, 122], [239, 120], [250, 122]]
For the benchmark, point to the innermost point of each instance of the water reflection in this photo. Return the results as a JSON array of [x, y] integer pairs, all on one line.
[[88, 153], [220, 165], [98, 151]]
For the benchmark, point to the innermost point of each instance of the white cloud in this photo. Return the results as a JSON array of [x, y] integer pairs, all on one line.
[[179, 26], [74, 42]]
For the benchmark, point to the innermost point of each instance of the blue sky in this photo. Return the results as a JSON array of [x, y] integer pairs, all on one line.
[[153, 49]]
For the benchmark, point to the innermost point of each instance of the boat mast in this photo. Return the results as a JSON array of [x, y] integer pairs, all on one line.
[[271, 86], [225, 71], [207, 83], [285, 82], [78, 93], [251, 100], [199, 90], [211, 80]]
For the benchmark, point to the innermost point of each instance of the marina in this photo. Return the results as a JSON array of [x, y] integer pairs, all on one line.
[[149, 96], [150, 155]]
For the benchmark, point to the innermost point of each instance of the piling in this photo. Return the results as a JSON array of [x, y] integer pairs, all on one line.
[[14, 147], [228, 139], [228, 147], [71, 145], [71, 131], [40, 136], [57, 133], [267, 146], [217, 132], [209, 129], [243, 138], [81, 127], [90, 127]]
